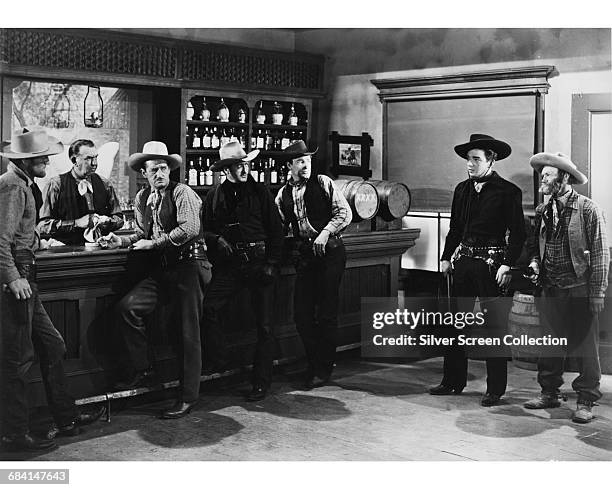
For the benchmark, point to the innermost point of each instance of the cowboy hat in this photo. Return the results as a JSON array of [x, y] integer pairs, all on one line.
[[154, 150], [297, 149], [31, 144], [560, 161], [484, 142], [231, 153]]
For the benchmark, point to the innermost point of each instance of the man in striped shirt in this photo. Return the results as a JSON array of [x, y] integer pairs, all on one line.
[[570, 258], [168, 216], [315, 212]]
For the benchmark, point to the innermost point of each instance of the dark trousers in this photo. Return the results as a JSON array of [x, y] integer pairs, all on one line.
[[472, 278], [183, 285], [229, 279], [315, 304], [26, 330], [566, 313]]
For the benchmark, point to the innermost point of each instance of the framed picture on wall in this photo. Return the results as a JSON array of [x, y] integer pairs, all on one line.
[[351, 154]]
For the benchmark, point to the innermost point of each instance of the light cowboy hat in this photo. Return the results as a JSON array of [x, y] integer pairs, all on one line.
[[154, 150], [297, 149], [31, 144], [560, 161], [231, 153], [484, 142]]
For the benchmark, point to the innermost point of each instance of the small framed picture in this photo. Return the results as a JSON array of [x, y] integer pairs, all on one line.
[[351, 154]]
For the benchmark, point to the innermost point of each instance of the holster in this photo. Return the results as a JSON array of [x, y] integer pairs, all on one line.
[[25, 264]]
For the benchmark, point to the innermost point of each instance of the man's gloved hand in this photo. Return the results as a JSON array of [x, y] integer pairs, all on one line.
[[223, 247]]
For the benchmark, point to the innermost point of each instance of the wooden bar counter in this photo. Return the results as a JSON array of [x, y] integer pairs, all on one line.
[[79, 289]]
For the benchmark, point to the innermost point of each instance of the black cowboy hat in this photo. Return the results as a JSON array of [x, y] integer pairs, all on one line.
[[297, 149], [484, 142]]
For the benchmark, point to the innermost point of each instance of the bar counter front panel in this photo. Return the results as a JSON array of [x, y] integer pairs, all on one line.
[[79, 289]]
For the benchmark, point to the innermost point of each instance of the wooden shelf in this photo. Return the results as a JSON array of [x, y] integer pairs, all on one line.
[[279, 126], [219, 123], [201, 151]]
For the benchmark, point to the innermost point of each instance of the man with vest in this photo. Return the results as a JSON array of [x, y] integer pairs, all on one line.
[[246, 237], [570, 260], [25, 327], [485, 238], [168, 216], [79, 199], [315, 212]]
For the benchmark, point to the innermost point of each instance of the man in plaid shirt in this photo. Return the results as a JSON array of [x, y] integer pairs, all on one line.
[[571, 257]]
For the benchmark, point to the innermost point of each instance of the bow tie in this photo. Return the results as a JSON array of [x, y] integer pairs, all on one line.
[[84, 186]]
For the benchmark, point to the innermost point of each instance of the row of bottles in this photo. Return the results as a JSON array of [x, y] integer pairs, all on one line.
[[265, 112], [275, 140], [265, 170], [213, 138]]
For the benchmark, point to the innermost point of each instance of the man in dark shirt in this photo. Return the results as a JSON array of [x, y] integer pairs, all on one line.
[[25, 326], [244, 231], [79, 199], [485, 207]]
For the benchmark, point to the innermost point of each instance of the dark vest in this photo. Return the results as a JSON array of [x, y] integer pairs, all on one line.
[[167, 214], [318, 205], [71, 205]]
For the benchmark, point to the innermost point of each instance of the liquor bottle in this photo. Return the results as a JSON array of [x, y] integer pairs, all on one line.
[[197, 140], [269, 143], [189, 163], [201, 172], [277, 114], [293, 119], [254, 140], [260, 117], [190, 111], [255, 170], [241, 115], [273, 172], [285, 142], [232, 134], [214, 139], [205, 111], [240, 137], [225, 139], [206, 140], [208, 175], [188, 138], [282, 177], [261, 140], [193, 174], [223, 112]]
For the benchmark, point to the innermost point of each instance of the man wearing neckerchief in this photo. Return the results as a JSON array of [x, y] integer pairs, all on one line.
[[486, 208]]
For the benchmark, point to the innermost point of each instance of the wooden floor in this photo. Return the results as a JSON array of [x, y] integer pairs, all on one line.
[[372, 411]]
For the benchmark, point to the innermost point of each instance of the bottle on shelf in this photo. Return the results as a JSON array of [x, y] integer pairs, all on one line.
[[224, 138], [285, 141], [255, 170], [269, 141], [187, 169], [188, 138], [197, 140], [208, 174], [223, 112], [293, 119], [214, 139], [260, 117], [192, 179], [277, 114], [190, 111], [282, 176], [205, 111], [232, 134], [240, 132], [241, 115], [273, 171], [261, 140], [201, 171], [206, 140]]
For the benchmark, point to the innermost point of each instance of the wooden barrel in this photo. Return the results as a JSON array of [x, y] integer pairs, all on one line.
[[524, 320], [394, 199], [361, 196]]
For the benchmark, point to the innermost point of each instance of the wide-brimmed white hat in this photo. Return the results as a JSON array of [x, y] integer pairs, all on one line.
[[560, 161], [231, 153], [154, 150], [31, 144]]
